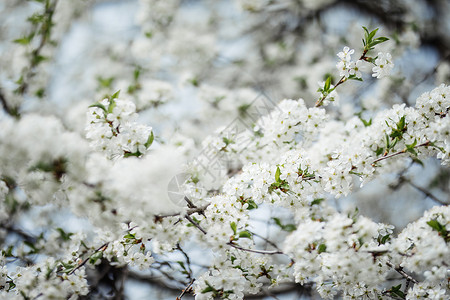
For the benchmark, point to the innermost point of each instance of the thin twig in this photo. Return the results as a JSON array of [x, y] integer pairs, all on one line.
[[401, 272], [265, 240], [255, 250], [188, 217], [188, 289], [319, 102], [9, 110], [427, 143], [341, 81], [188, 261], [101, 248], [189, 212], [45, 37], [424, 191]]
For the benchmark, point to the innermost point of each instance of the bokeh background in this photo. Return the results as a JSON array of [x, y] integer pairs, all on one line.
[[191, 66]]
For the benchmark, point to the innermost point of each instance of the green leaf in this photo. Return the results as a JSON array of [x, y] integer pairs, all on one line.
[[327, 85], [23, 40], [95, 257], [105, 82], [245, 234], [149, 140], [379, 151], [440, 229], [36, 18], [207, 290], [64, 235], [418, 161], [277, 175], [372, 34], [366, 33], [37, 59], [32, 246], [115, 95], [395, 290], [289, 227], [378, 41], [99, 105], [277, 221], [353, 77], [136, 74], [129, 236], [322, 248], [366, 123], [317, 201], [181, 264], [384, 239], [129, 154], [251, 204], [227, 141], [12, 285], [233, 227], [410, 148]]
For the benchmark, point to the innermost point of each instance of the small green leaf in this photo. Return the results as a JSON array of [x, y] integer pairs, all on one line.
[[233, 227], [37, 59], [129, 154], [317, 201], [136, 74], [277, 221], [289, 227], [23, 41], [366, 33], [372, 34], [418, 161], [327, 84], [64, 235], [440, 229], [149, 140], [322, 248], [384, 239], [410, 148], [115, 95], [99, 105], [251, 204], [95, 257], [105, 82], [353, 77], [129, 236], [379, 151], [277, 175], [396, 291], [207, 290], [227, 141], [245, 234]]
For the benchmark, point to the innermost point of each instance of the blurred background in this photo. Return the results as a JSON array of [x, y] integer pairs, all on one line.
[[191, 66]]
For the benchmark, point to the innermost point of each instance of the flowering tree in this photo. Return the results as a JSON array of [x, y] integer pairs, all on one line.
[[185, 168]]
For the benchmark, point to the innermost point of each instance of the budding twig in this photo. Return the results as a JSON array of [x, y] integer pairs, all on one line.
[[427, 143], [101, 248], [401, 272], [255, 250], [188, 289]]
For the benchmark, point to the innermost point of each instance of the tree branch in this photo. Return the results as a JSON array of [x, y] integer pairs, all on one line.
[[255, 250], [188, 289], [427, 143], [401, 272], [101, 248]]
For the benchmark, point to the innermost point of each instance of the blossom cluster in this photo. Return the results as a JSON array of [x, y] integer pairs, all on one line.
[[112, 129], [272, 213]]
